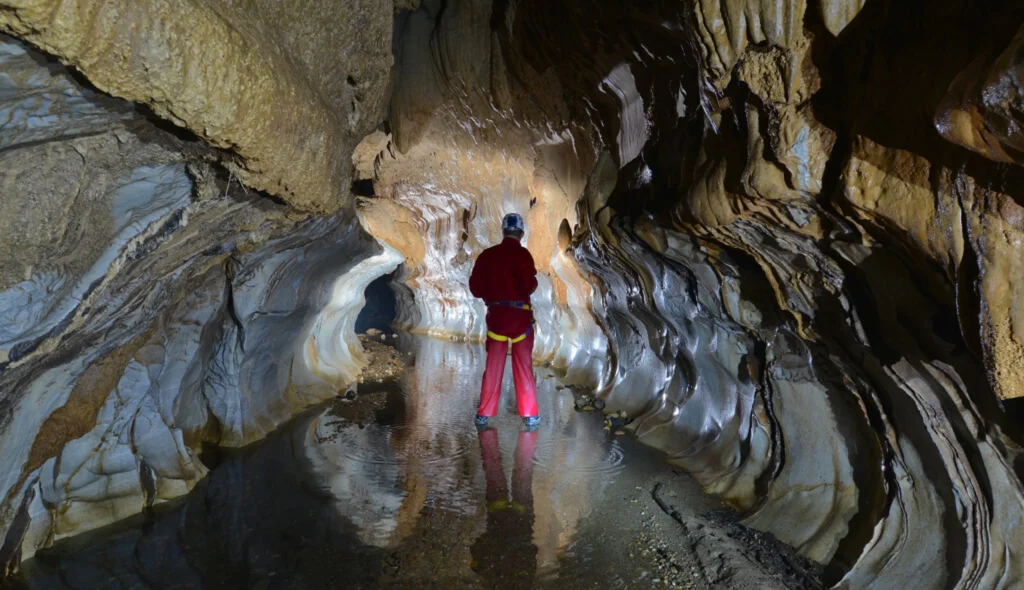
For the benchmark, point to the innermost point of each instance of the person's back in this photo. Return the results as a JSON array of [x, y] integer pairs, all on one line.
[[504, 276], [505, 273]]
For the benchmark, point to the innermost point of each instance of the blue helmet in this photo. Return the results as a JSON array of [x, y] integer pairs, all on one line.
[[513, 222]]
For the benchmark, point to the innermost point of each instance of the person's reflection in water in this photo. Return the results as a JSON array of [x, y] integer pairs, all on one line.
[[505, 554]]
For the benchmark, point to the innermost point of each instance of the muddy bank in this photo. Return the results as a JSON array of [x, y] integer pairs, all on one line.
[[659, 530], [384, 362]]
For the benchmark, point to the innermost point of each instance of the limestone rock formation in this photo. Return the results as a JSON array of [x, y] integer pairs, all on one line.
[[783, 236], [982, 110]]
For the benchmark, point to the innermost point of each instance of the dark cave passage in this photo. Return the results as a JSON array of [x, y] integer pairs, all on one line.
[[381, 307]]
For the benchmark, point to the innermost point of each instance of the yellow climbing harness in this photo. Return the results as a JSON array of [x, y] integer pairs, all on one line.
[[513, 340], [515, 304], [510, 339]]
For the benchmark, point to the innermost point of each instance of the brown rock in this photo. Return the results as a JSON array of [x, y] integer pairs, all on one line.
[[984, 106], [893, 189], [996, 231], [839, 13], [227, 72]]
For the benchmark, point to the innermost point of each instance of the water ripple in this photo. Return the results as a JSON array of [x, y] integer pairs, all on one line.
[[572, 455], [379, 444]]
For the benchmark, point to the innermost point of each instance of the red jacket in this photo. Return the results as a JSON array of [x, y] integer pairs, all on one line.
[[505, 273]]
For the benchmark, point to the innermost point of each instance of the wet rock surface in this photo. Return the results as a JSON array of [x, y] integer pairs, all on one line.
[[752, 240], [379, 379]]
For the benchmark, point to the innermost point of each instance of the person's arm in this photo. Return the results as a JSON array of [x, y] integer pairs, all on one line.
[[529, 273], [477, 285]]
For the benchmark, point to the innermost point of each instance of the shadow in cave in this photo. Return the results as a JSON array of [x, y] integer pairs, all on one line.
[[887, 72], [899, 316]]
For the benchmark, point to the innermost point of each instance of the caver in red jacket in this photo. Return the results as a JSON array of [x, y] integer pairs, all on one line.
[[505, 274]]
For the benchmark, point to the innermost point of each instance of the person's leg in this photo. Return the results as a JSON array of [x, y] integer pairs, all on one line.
[[490, 388], [522, 372]]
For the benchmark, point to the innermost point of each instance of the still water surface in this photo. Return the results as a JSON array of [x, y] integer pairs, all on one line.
[[409, 494]]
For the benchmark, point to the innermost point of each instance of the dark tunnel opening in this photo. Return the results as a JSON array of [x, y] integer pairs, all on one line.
[[381, 306]]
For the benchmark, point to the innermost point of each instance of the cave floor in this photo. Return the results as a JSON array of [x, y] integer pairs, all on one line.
[[398, 489]]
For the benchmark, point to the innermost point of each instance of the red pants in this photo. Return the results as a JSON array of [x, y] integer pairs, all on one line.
[[522, 373]]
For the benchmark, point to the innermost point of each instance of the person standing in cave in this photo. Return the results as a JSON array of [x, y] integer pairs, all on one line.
[[504, 276]]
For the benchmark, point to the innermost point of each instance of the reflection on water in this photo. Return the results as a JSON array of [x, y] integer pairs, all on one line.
[[505, 554], [416, 493]]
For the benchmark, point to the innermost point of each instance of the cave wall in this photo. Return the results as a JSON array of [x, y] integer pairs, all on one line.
[[151, 304], [450, 164]]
